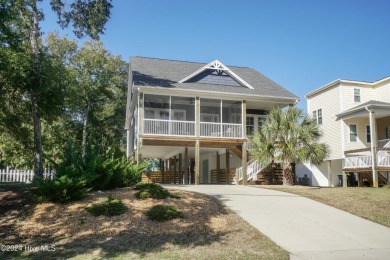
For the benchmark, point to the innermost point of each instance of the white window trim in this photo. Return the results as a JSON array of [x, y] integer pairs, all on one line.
[[360, 95], [349, 133], [367, 134], [318, 117]]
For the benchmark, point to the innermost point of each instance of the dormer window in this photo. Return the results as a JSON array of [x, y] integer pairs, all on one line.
[[356, 94]]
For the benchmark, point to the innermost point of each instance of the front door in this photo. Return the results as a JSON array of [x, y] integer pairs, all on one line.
[[205, 171]]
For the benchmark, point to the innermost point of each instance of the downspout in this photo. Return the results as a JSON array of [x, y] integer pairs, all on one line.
[[373, 149]]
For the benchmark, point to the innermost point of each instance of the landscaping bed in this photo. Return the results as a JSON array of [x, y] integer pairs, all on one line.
[[205, 230]]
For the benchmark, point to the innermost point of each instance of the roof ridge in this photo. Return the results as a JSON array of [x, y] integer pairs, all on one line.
[[204, 63]]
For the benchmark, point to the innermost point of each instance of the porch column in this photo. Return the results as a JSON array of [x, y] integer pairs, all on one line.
[[227, 167], [180, 171], [244, 119], [162, 170], [330, 183], [197, 163], [345, 179], [218, 168], [244, 163], [128, 147], [186, 173], [174, 170], [170, 172], [140, 126], [197, 117], [375, 183]]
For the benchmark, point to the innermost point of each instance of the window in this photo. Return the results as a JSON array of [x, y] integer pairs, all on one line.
[[164, 115], [368, 134], [387, 132], [250, 125], [356, 94], [319, 115], [260, 121], [149, 114], [352, 133], [179, 115]]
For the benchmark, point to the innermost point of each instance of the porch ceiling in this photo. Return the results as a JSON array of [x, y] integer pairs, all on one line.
[[381, 109]]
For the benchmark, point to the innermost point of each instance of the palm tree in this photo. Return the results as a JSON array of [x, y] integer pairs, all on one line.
[[285, 137]]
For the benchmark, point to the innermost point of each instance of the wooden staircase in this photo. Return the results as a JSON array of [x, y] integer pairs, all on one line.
[[368, 176], [237, 150], [272, 174]]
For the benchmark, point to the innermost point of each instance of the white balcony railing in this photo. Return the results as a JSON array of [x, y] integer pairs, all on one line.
[[223, 130], [166, 127], [187, 128], [358, 162], [383, 161], [366, 161]]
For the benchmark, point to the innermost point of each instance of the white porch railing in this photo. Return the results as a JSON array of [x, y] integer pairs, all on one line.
[[223, 130], [383, 161], [169, 127], [13, 175], [187, 128], [358, 162], [366, 161], [252, 169]]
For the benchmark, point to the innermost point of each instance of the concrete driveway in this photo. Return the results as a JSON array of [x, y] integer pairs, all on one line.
[[306, 228]]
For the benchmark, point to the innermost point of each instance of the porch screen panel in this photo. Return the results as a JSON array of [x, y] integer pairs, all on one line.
[[231, 118], [183, 116], [210, 117], [156, 114]]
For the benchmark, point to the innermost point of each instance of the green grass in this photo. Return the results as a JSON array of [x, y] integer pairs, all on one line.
[[369, 203]]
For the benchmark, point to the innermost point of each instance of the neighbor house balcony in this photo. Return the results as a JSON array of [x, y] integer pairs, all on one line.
[[178, 116], [365, 161]]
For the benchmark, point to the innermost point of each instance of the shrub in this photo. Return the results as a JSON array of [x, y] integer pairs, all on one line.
[[163, 213], [152, 190], [145, 185], [61, 189], [107, 206], [101, 171], [155, 193]]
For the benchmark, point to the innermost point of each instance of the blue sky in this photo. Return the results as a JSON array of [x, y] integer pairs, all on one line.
[[300, 44]]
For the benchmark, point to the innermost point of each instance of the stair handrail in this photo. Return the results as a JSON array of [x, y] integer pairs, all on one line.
[[253, 168]]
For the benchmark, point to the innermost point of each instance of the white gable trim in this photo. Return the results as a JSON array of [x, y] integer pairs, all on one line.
[[217, 65]]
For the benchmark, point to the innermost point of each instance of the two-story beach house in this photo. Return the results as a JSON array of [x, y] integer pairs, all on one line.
[[355, 120], [196, 117]]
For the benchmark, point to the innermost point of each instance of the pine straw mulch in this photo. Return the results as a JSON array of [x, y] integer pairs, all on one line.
[[207, 229]]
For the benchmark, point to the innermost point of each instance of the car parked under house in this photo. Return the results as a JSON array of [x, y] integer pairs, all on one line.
[[196, 117]]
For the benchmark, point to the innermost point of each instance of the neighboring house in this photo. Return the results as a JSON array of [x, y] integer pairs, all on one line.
[[355, 119], [196, 117]]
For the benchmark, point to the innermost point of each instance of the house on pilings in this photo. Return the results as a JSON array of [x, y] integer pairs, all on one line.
[[195, 118]]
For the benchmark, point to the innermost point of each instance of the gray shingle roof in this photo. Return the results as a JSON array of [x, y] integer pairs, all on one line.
[[167, 73]]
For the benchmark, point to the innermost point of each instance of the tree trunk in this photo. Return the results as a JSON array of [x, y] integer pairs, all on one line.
[[35, 94], [85, 125], [288, 175]]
